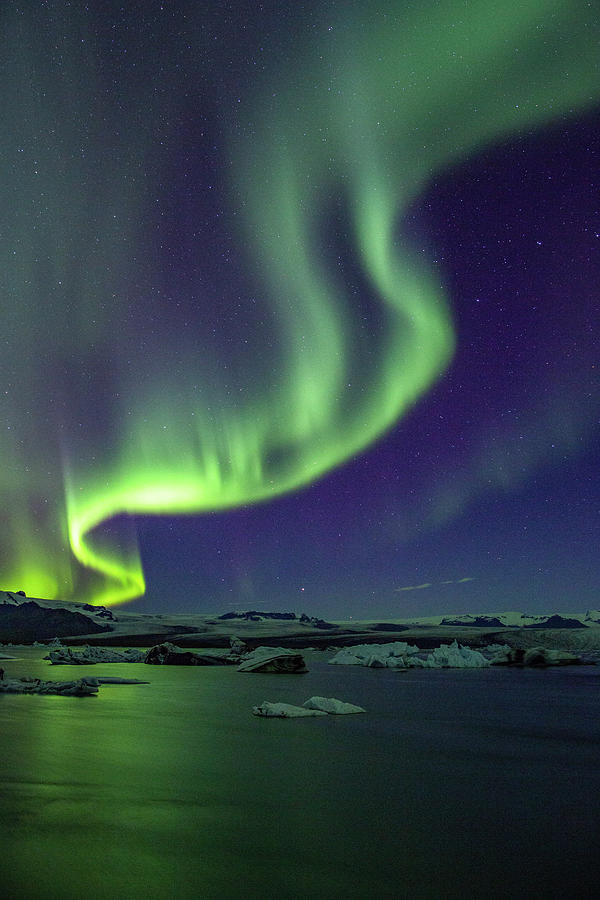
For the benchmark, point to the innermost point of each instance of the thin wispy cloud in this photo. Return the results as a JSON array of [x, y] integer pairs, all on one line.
[[428, 584]]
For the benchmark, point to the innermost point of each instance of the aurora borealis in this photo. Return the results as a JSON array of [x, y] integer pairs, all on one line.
[[234, 266]]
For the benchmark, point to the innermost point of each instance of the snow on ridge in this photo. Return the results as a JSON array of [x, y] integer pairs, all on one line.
[[508, 618]]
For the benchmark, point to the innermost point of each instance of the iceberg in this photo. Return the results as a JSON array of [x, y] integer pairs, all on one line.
[[165, 654], [65, 656], [392, 655], [399, 655], [455, 656], [80, 688], [237, 647], [276, 660], [168, 654], [314, 706]]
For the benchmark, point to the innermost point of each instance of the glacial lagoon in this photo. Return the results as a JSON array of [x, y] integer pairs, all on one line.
[[455, 783]]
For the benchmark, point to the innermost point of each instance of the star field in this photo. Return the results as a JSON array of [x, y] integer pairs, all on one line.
[[299, 306]]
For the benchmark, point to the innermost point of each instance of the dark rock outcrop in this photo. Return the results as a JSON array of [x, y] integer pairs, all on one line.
[[255, 615], [314, 622], [557, 622], [101, 611], [30, 622], [475, 622], [389, 626]]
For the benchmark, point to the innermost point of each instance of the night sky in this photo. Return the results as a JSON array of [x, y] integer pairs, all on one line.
[[300, 305]]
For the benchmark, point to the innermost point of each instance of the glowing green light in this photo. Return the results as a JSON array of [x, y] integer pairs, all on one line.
[[100, 421]]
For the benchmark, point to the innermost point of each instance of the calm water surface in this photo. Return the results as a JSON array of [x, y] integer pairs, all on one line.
[[455, 784]]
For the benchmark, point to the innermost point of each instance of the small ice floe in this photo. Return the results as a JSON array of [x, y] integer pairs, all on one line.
[[314, 706], [276, 660], [332, 706], [88, 656], [80, 688], [284, 711], [114, 680]]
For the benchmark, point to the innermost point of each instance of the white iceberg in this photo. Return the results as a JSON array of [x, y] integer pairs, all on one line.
[[399, 655], [392, 655], [455, 656], [284, 711], [332, 706]]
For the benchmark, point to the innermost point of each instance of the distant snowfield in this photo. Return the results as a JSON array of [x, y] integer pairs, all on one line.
[[512, 618], [576, 631]]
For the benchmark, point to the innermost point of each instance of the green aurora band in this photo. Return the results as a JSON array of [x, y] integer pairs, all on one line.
[[112, 404]]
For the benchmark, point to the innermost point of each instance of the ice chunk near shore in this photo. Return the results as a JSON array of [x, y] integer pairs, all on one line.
[[332, 706], [284, 711]]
